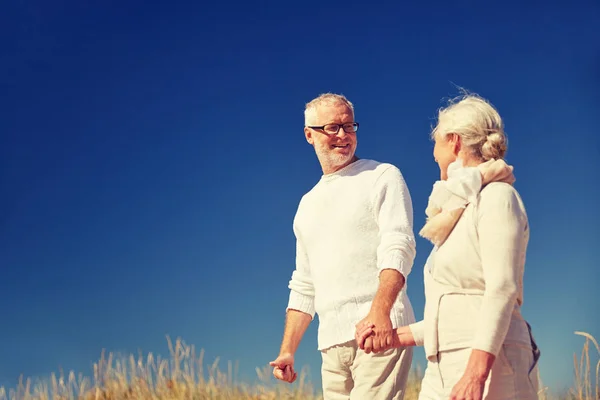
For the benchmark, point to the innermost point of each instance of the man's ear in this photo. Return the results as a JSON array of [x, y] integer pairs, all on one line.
[[308, 135]]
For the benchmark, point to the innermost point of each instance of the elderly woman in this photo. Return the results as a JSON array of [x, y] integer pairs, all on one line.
[[477, 344]]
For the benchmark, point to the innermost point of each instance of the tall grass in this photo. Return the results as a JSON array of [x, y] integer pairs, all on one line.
[[586, 385], [183, 376]]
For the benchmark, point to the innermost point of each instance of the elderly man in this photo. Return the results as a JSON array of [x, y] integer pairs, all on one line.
[[354, 249]]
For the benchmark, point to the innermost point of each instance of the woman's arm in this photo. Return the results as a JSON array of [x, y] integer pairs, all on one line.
[[501, 227]]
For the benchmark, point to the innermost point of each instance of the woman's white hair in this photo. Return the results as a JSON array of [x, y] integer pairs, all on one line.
[[478, 124], [310, 112]]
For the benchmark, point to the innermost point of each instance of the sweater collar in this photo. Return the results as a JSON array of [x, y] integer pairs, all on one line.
[[349, 169]]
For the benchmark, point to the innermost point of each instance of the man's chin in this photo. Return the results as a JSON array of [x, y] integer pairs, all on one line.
[[341, 160], [335, 159]]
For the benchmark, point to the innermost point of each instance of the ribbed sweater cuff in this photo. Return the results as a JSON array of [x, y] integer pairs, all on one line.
[[396, 260], [303, 303]]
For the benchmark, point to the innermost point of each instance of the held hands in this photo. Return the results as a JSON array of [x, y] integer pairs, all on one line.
[[283, 368], [401, 337], [375, 333], [364, 330]]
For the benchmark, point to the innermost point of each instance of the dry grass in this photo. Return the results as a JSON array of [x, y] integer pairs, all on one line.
[[183, 377], [586, 385]]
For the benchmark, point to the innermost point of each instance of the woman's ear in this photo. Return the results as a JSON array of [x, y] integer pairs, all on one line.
[[454, 140]]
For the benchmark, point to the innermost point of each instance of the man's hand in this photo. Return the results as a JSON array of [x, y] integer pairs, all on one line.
[[382, 336], [390, 284], [283, 368], [296, 323]]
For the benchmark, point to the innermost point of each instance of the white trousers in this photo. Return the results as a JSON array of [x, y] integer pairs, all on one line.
[[514, 374], [350, 373]]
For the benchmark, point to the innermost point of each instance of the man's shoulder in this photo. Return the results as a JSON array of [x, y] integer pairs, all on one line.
[[379, 167], [369, 171], [384, 171]]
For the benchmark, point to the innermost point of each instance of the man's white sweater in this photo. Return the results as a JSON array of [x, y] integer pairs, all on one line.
[[349, 227]]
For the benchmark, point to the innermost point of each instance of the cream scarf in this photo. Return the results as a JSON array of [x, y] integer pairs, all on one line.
[[449, 198]]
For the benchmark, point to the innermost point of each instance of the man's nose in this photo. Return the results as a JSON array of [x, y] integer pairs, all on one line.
[[342, 133]]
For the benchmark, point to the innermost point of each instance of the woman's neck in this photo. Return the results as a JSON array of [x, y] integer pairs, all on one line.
[[469, 160]]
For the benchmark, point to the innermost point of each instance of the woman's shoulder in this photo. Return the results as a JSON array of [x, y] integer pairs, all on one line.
[[500, 196], [495, 189]]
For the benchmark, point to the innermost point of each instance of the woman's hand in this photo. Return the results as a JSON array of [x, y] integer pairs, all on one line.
[[468, 388], [472, 384]]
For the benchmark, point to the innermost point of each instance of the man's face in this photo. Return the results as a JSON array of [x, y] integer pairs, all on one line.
[[334, 151]]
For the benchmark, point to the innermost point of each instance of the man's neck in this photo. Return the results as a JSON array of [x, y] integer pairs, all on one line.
[[331, 170]]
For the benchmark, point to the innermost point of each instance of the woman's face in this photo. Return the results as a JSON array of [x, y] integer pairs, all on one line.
[[445, 152]]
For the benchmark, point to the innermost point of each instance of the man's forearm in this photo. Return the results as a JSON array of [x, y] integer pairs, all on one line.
[[391, 283], [296, 323]]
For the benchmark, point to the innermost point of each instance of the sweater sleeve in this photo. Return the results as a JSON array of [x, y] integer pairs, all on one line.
[[501, 226], [418, 331], [392, 206], [302, 292]]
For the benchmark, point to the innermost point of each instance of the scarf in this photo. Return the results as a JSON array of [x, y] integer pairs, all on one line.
[[449, 198]]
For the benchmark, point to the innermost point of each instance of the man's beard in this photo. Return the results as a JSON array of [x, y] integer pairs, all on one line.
[[330, 159]]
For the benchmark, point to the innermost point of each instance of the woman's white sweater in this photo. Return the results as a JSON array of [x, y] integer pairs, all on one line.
[[474, 280]]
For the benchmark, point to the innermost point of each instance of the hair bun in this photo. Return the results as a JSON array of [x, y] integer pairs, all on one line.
[[494, 146]]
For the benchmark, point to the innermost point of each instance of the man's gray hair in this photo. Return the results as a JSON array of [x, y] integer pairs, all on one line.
[[310, 112]]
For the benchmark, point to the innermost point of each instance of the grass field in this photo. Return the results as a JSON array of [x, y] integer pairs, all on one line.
[[183, 376]]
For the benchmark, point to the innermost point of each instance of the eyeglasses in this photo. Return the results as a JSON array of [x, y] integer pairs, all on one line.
[[333, 129]]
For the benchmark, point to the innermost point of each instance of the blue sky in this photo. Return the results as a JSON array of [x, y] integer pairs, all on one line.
[[152, 159]]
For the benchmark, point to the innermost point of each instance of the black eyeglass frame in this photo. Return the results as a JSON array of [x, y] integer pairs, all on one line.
[[355, 125]]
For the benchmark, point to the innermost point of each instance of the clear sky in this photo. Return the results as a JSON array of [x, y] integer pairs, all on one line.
[[152, 159]]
